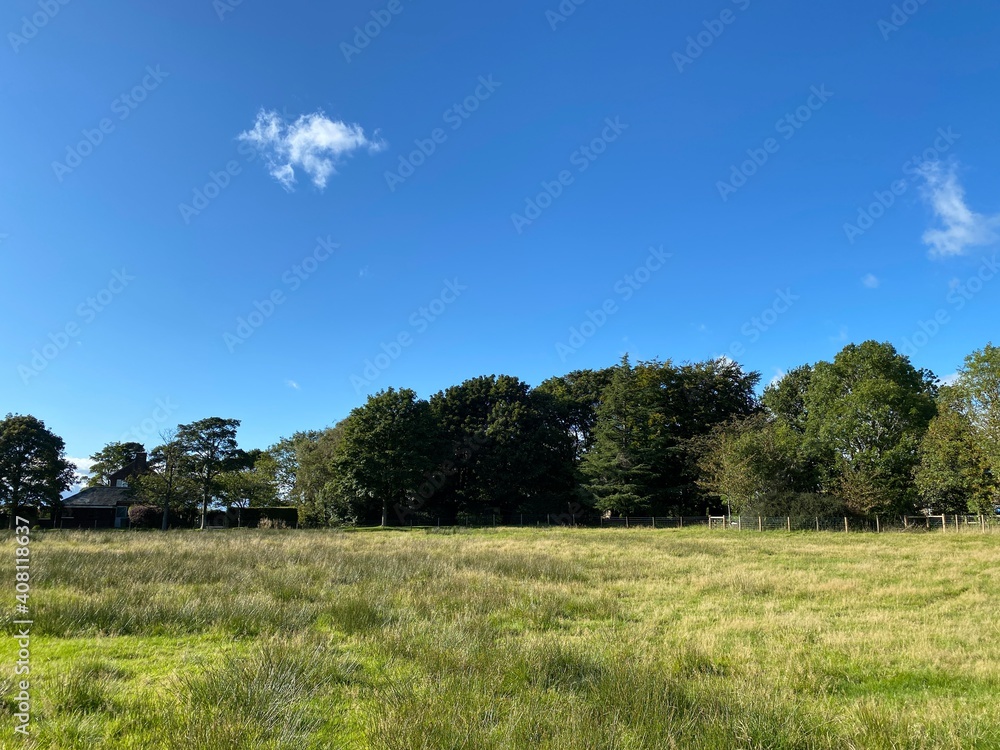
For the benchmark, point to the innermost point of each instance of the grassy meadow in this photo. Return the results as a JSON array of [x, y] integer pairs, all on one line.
[[509, 639]]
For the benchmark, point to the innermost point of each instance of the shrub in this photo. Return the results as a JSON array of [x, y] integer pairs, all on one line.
[[145, 516], [798, 504]]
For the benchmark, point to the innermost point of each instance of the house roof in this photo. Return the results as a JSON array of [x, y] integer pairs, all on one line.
[[100, 497]]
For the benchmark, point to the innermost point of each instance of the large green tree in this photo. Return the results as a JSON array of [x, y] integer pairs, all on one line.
[[321, 498], [210, 448], [688, 401], [386, 447], [750, 463], [785, 399], [954, 475], [167, 484], [978, 386], [575, 399], [111, 458], [504, 450], [252, 485], [618, 467], [33, 466], [866, 413]]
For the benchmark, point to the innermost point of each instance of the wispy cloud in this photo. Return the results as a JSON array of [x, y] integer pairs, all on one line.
[[871, 281], [314, 144], [962, 227], [292, 384]]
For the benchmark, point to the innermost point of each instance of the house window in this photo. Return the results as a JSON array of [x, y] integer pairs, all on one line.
[[121, 483]]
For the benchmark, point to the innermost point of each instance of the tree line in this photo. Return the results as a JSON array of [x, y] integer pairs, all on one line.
[[865, 434]]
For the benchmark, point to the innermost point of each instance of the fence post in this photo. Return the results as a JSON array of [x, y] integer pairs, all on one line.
[[944, 524], [760, 524], [788, 521], [878, 526], [626, 522], [739, 523], [654, 522], [846, 529], [817, 523], [682, 522]]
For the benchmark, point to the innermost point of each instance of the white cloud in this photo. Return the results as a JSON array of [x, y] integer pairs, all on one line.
[[962, 227], [871, 281], [949, 379], [779, 375], [292, 384], [313, 143], [84, 465]]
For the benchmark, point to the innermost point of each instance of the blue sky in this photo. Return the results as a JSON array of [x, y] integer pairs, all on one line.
[[412, 194]]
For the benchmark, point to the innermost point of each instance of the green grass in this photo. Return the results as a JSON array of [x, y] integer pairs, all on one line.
[[508, 639]]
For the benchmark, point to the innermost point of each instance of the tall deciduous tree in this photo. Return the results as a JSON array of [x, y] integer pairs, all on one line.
[[167, 484], [979, 387], [786, 399], [505, 449], [867, 412], [321, 497], [210, 448], [253, 485], [33, 466], [954, 474], [111, 458], [387, 446], [750, 463]]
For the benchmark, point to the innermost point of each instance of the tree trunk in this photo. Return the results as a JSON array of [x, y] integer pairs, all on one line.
[[166, 516], [385, 512]]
